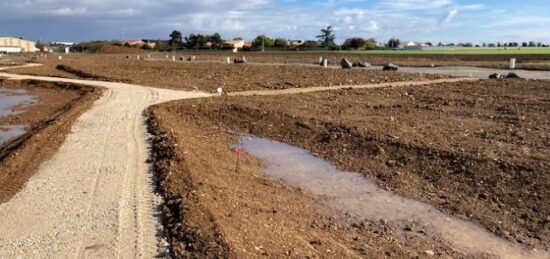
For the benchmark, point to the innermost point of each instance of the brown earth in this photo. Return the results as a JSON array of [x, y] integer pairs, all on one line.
[[212, 211], [529, 62], [209, 76], [478, 151], [49, 121]]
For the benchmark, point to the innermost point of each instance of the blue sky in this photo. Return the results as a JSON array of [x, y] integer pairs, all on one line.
[[426, 20]]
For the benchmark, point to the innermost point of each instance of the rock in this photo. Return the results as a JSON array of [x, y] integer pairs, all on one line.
[[390, 67], [429, 252], [512, 75], [361, 64], [494, 76], [346, 64]]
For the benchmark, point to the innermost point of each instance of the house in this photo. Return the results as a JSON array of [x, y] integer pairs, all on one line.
[[235, 43], [409, 44], [16, 45], [133, 43], [59, 47], [296, 43], [151, 44]]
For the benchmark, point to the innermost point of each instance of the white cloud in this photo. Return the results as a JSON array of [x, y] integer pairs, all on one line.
[[450, 16]]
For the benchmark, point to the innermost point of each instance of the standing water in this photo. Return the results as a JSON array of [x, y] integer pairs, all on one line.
[[11, 102], [354, 195]]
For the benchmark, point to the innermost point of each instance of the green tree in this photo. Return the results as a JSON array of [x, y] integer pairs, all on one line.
[[356, 43], [176, 39], [311, 44], [370, 44], [393, 43], [216, 40], [327, 37], [280, 42], [262, 40]]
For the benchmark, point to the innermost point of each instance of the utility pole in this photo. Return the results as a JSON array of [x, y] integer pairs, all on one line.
[[263, 43]]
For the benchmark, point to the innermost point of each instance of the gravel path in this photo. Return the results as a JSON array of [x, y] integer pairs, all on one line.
[[94, 198]]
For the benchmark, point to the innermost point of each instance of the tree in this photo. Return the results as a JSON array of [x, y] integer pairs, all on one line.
[[327, 37], [216, 40], [40, 45], [531, 44], [354, 43], [311, 44], [393, 43], [280, 42], [370, 44], [262, 40], [176, 39], [524, 44], [196, 41]]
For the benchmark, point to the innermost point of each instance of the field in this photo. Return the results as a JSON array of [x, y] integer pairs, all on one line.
[[472, 150], [209, 76], [405, 165]]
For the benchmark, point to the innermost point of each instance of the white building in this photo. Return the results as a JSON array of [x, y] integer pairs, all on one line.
[[16, 45]]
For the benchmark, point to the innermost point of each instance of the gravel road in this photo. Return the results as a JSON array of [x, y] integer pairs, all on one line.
[[94, 198]]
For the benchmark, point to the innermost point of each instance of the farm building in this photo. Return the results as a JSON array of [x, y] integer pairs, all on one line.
[[16, 45], [412, 45]]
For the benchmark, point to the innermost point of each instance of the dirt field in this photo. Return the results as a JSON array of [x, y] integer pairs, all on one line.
[[209, 76], [477, 151], [48, 122], [529, 62]]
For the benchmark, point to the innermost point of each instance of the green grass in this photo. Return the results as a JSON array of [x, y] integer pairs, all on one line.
[[464, 51]]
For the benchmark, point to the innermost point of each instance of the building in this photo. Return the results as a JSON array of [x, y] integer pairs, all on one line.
[[132, 43], [16, 45], [296, 43], [59, 47], [235, 43], [409, 44]]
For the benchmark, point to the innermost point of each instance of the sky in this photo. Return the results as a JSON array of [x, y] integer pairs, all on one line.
[[422, 20]]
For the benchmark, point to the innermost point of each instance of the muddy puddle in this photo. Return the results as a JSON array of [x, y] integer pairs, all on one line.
[[13, 102], [352, 197], [8, 133]]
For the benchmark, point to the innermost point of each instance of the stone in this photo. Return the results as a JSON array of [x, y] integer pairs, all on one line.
[[346, 64], [429, 252], [361, 64], [512, 75], [390, 67]]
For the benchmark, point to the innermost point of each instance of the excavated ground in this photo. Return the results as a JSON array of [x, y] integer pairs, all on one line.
[[475, 150], [47, 123], [209, 76]]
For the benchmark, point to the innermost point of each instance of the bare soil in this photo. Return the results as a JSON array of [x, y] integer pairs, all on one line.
[[48, 121], [209, 76], [212, 211], [475, 150], [529, 62]]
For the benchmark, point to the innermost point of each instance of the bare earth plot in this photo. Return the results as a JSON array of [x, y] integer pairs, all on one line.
[[475, 150], [95, 197]]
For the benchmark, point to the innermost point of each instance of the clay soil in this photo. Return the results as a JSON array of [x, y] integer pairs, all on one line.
[[476, 150], [209, 76], [48, 121]]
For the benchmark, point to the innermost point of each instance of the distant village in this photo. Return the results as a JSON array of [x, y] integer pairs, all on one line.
[[176, 42]]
